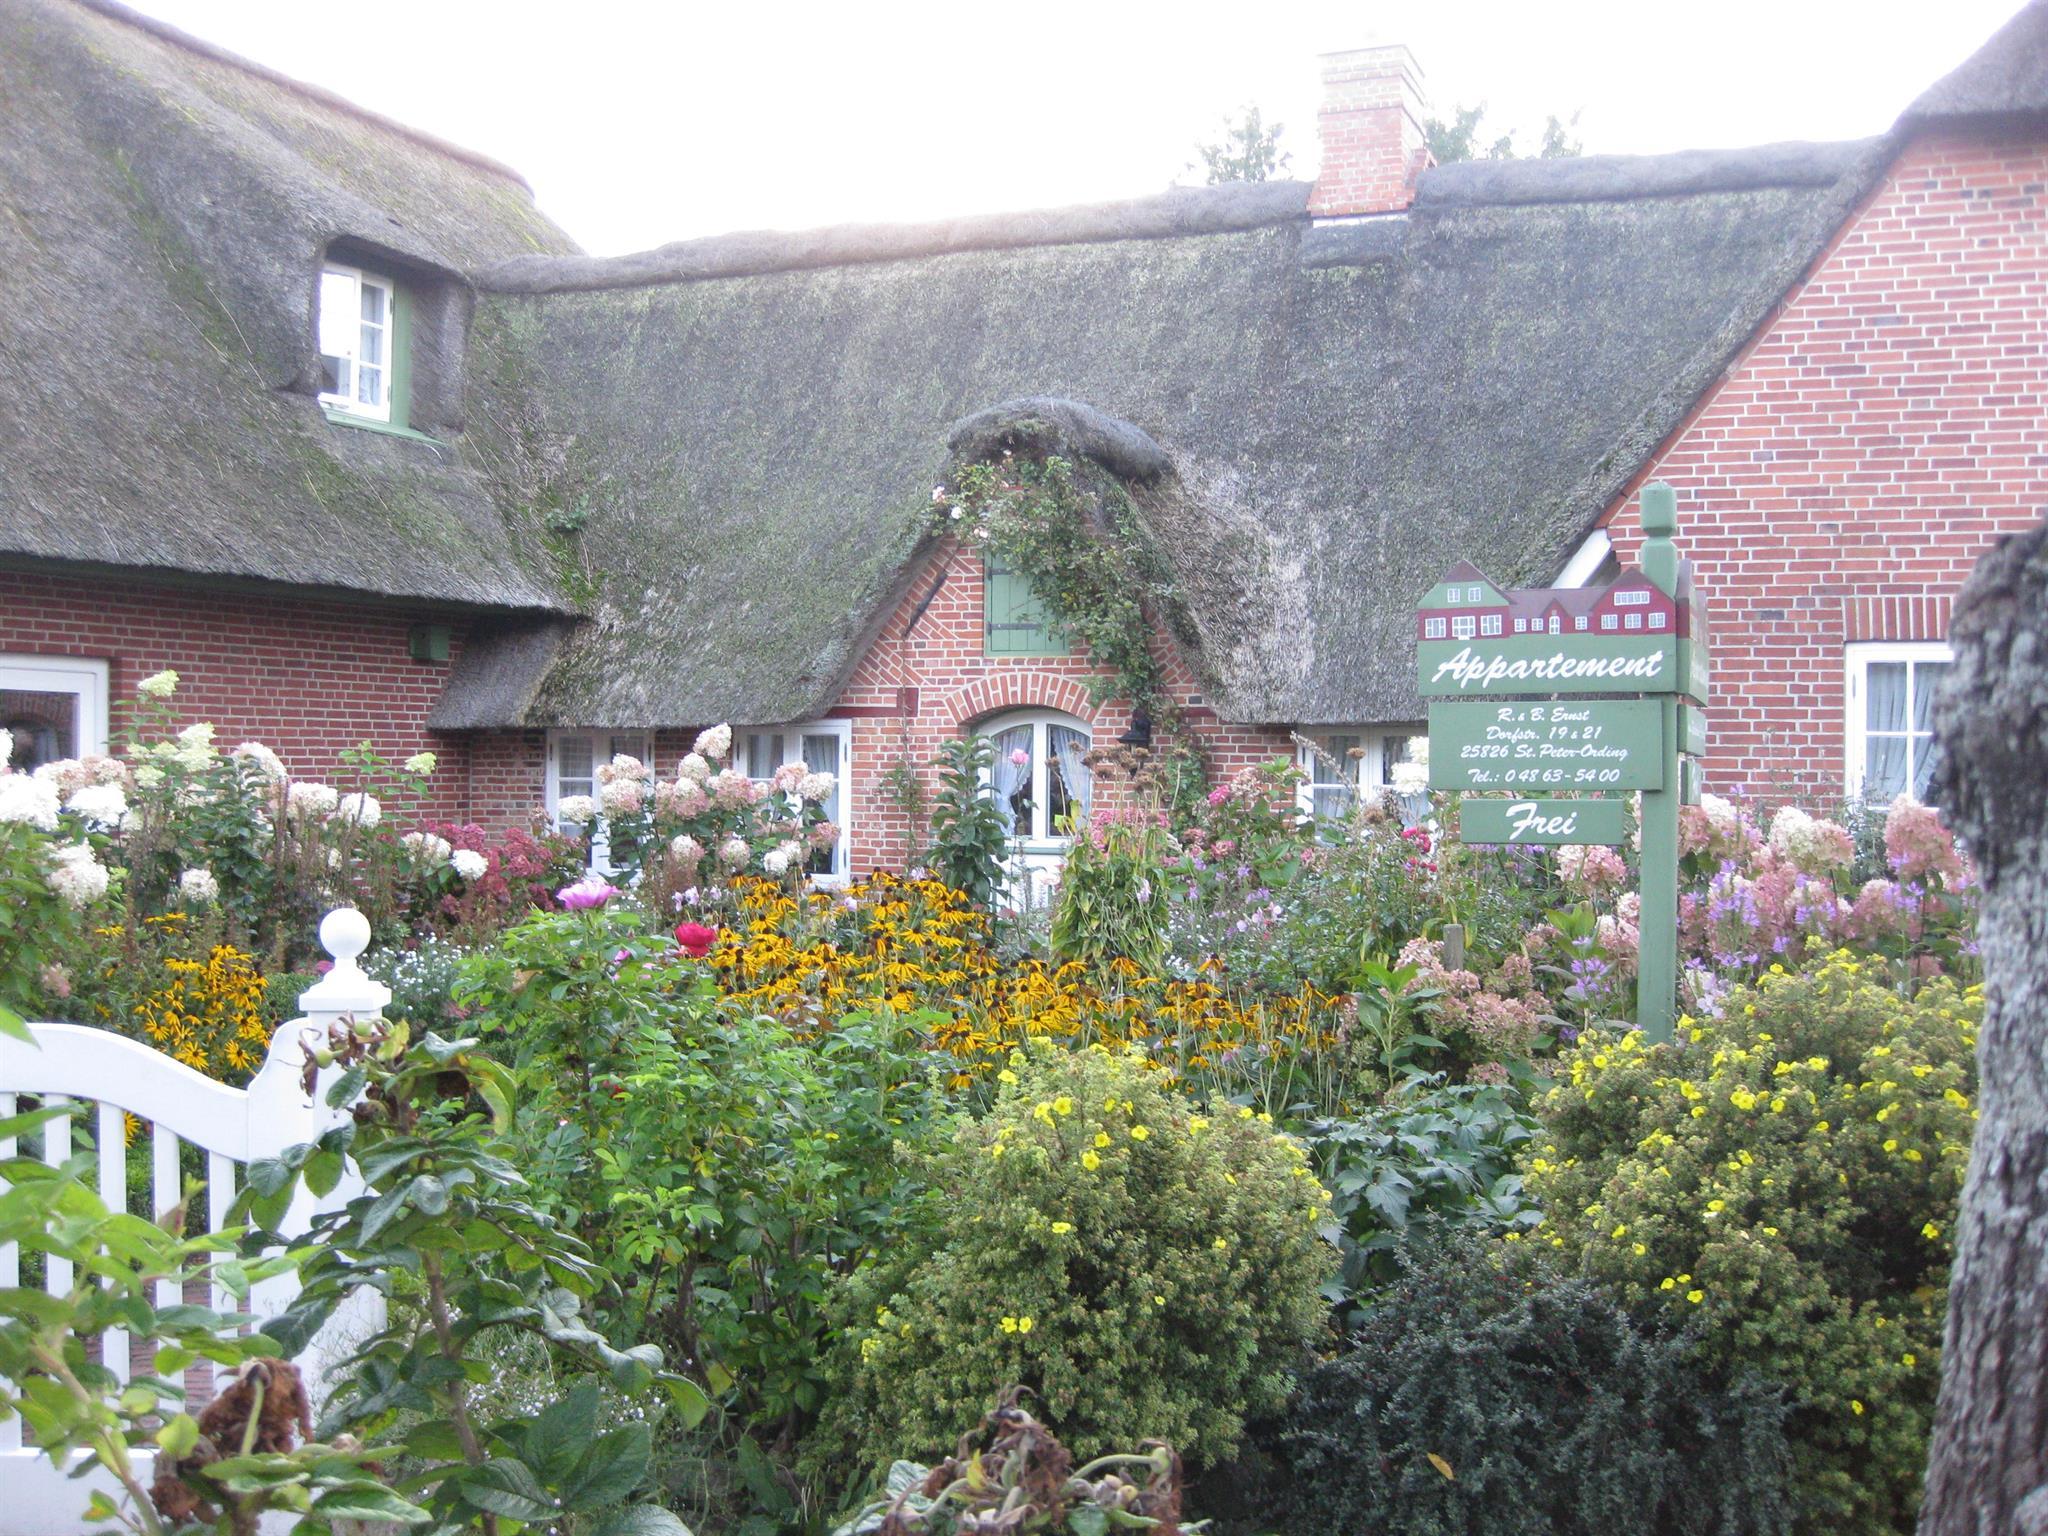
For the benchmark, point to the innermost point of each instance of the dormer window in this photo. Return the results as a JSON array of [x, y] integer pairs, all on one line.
[[357, 324]]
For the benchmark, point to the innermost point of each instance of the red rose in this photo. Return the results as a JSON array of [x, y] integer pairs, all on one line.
[[696, 939]]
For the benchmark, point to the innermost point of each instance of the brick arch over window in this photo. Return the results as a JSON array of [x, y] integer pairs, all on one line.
[[1010, 689]]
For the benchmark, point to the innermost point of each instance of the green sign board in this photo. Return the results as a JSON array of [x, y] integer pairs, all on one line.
[[1547, 745], [1525, 822], [1523, 664]]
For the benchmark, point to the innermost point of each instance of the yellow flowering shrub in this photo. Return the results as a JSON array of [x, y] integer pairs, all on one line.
[[177, 986], [1785, 1176], [1144, 1268], [811, 958]]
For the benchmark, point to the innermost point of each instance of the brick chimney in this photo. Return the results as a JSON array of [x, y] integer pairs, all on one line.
[[1371, 130]]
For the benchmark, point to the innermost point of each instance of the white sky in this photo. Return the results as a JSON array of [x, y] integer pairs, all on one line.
[[642, 121]]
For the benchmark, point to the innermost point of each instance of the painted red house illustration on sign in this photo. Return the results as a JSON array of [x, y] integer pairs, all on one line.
[[1467, 604]]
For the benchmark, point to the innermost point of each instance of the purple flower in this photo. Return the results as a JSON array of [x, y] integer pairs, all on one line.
[[590, 892]]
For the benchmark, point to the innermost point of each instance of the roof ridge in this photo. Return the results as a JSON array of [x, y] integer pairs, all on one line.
[[1177, 211], [114, 10]]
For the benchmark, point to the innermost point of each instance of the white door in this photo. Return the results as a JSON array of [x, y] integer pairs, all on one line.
[[1043, 789]]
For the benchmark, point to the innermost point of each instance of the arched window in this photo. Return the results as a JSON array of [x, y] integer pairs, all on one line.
[[1038, 780]]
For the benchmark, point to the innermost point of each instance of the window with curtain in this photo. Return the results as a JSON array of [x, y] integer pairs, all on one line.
[[823, 748], [1890, 726], [53, 707], [1039, 780], [573, 757], [1332, 770]]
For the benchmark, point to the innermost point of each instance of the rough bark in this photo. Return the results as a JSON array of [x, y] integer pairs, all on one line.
[[1987, 1473]]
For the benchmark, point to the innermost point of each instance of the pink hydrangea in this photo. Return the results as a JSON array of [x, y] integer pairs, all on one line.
[[1591, 865], [1918, 846]]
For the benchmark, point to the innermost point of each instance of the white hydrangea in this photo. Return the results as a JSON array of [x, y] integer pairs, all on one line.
[[198, 888], [468, 863], [1721, 814], [361, 808], [422, 763], [694, 768], [102, 804], [158, 685], [620, 796], [733, 853], [23, 797], [1791, 831], [686, 848], [76, 875], [1410, 778], [576, 810], [261, 758], [428, 847], [817, 787], [775, 862], [194, 751], [715, 743], [148, 776], [308, 800]]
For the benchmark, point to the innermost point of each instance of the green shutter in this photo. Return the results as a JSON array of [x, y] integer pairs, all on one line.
[[1015, 623]]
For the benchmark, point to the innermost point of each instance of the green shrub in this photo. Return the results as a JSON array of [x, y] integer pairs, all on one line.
[[1143, 1269], [1112, 901], [1490, 1396], [1432, 1152], [1785, 1178]]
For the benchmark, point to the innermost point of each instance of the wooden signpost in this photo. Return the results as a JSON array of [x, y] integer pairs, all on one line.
[[1552, 692]]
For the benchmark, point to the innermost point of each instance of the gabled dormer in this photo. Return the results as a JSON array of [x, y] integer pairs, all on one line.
[[390, 334]]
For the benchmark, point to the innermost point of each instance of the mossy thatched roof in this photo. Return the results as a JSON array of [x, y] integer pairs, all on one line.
[[163, 210], [747, 456]]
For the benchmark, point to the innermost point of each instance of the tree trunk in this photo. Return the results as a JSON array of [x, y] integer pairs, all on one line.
[[1987, 1472]]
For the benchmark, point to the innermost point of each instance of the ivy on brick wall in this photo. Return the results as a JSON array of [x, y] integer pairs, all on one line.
[[1094, 569]]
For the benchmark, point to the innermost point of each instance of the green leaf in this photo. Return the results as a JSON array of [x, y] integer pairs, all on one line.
[[507, 1487], [640, 1520], [612, 1468], [179, 1435], [12, 1024], [368, 1502], [344, 1089], [429, 1196], [323, 1172], [1088, 1520]]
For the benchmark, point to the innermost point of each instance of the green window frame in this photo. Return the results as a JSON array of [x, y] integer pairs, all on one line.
[[1014, 622]]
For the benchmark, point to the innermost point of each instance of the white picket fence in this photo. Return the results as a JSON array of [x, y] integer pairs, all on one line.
[[117, 1076]]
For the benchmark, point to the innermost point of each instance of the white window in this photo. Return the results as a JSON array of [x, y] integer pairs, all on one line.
[[1332, 766], [1464, 626], [1659, 619], [1608, 621], [1342, 760], [1489, 624], [1635, 597], [1578, 621], [1040, 779], [355, 342], [1556, 624], [826, 746], [53, 707], [1890, 726], [573, 757], [1433, 629], [1632, 621], [1521, 626]]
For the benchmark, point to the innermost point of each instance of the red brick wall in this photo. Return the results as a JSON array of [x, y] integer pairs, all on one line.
[[306, 677], [920, 685], [1885, 428]]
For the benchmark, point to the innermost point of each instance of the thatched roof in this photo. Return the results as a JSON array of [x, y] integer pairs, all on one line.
[[749, 438], [2006, 79], [722, 451], [163, 209]]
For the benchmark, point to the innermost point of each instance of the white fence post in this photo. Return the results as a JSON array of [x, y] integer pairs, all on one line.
[[287, 1116], [232, 1126]]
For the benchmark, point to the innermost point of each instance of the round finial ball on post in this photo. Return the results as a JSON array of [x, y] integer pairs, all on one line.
[[345, 934]]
